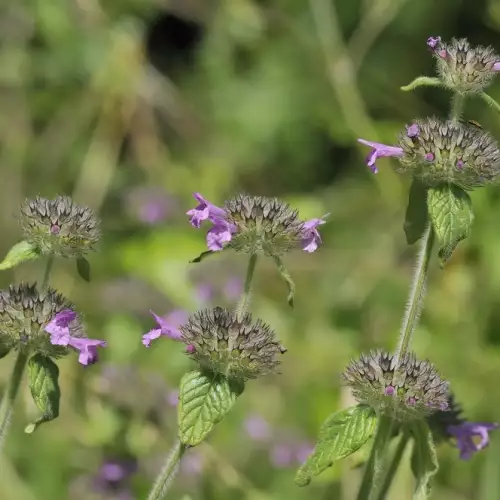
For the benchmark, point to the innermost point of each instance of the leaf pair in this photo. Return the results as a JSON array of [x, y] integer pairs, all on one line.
[[447, 207], [24, 251]]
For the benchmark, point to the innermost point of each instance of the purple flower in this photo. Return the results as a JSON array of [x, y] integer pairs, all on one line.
[[219, 235], [311, 238], [168, 327], [496, 66], [113, 477], [257, 428], [379, 151], [413, 130], [205, 211], [464, 434], [433, 41], [60, 334]]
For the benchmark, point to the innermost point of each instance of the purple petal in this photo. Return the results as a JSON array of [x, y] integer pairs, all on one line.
[[205, 211], [378, 151], [169, 325], [311, 239], [496, 66], [87, 348], [433, 41], [464, 434], [219, 236], [60, 322], [413, 130], [147, 338]]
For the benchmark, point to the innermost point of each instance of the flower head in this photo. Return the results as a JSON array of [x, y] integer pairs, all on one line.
[[437, 151], [409, 391], [462, 67], [237, 347], [65, 330], [59, 226], [168, 326], [255, 225]]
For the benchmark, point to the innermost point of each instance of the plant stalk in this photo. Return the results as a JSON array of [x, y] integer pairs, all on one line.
[[417, 293], [46, 274], [167, 474], [393, 466], [371, 482], [11, 393], [457, 106], [244, 301]]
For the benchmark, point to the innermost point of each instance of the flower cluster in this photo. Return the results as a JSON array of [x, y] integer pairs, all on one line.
[[411, 389], [59, 226], [437, 151], [255, 225], [41, 321], [462, 67]]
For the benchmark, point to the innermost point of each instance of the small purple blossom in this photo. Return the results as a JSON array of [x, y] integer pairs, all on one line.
[[413, 130], [55, 229], [496, 66], [429, 157], [168, 326], [219, 236], [311, 239], [378, 151], [190, 349], [464, 434], [205, 211], [433, 41], [389, 390], [60, 334], [460, 164]]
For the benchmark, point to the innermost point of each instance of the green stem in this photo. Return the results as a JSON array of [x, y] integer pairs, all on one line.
[[457, 106], [46, 274], [11, 393], [417, 293], [167, 474], [370, 484], [244, 301], [393, 466]]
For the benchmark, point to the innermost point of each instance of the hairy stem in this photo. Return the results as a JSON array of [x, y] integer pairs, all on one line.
[[46, 274], [167, 474], [11, 394], [457, 106], [417, 293], [244, 301], [393, 466], [371, 483]]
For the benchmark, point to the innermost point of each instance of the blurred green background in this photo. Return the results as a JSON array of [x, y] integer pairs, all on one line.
[[132, 105]]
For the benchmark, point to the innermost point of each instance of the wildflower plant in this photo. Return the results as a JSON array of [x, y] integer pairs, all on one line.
[[399, 396], [36, 321], [230, 347]]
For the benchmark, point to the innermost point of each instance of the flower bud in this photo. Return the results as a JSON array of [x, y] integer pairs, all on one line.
[[411, 391], [464, 68], [59, 226], [223, 343]]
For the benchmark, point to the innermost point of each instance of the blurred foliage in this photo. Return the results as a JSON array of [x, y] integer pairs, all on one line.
[[130, 106]]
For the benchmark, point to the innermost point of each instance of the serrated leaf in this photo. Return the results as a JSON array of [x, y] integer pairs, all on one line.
[[43, 376], [20, 252], [416, 212], [341, 434], [424, 462], [83, 268], [204, 400], [450, 211]]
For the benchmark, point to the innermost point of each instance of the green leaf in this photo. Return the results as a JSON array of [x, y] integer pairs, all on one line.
[[83, 268], [341, 434], [204, 400], [416, 212], [202, 256], [424, 462], [43, 375], [450, 211], [422, 81], [288, 280], [20, 252]]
